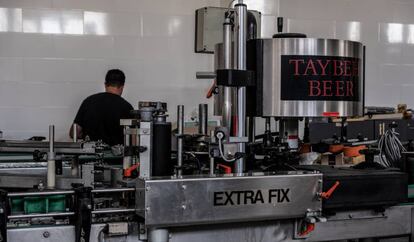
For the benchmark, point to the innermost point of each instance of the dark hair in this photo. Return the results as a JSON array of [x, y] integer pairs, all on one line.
[[115, 78]]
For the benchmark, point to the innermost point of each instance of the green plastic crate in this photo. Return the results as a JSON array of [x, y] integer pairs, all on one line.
[[57, 203], [35, 205]]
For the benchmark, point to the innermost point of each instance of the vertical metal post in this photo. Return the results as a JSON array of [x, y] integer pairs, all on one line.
[[252, 128], [241, 37], [203, 119], [146, 157], [75, 133], [75, 161], [51, 163], [212, 167], [227, 55], [180, 127], [127, 160]]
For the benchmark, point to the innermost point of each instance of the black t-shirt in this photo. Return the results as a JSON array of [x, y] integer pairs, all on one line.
[[99, 116]]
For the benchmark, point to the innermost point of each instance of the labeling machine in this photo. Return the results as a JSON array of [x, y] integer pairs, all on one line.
[[224, 183]]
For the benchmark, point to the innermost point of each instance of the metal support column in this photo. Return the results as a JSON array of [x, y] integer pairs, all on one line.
[[227, 55], [180, 128], [241, 37], [51, 163], [203, 119]]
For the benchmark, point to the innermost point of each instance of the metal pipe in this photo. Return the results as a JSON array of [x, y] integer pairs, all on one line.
[[113, 190], [252, 128], [241, 37], [122, 210], [203, 119], [22, 216], [212, 167], [180, 127], [127, 160], [205, 75], [75, 166], [44, 193], [227, 55], [51, 163], [75, 133]]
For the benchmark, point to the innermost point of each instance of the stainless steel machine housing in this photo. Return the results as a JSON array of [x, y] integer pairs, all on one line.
[[273, 51]]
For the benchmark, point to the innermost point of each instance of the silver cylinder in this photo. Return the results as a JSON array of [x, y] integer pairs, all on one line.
[[205, 75], [227, 56], [219, 100], [203, 119], [51, 138], [51, 163], [36, 194], [241, 36], [25, 216], [180, 128], [294, 60], [158, 235]]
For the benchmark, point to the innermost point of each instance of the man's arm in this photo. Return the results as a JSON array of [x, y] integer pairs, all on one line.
[[79, 133]]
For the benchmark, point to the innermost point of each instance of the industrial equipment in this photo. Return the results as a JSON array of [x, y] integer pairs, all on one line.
[[221, 183]]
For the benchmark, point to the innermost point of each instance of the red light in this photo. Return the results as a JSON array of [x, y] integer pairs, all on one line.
[[330, 114]]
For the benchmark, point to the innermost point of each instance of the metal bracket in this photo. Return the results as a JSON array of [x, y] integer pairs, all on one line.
[[235, 78], [143, 232], [238, 140]]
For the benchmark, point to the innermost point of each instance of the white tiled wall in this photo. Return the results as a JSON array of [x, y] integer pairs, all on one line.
[[54, 53], [386, 27]]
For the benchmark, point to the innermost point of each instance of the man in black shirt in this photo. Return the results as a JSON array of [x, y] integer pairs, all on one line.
[[99, 115]]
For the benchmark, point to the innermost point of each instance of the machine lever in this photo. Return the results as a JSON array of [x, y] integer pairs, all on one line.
[[308, 229], [129, 172], [328, 194], [227, 169]]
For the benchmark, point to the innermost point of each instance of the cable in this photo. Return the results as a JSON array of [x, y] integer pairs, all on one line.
[[390, 148], [222, 153]]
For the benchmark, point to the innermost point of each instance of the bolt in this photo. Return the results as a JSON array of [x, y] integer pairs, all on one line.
[[46, 234], [147, 188], [320, 180], [1, 210], [350, 216], [184, 206], [147, 209], [89, 206], [184, 187], [145, 131]]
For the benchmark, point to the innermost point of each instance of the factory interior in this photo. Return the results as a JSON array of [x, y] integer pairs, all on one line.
[[206, 120]]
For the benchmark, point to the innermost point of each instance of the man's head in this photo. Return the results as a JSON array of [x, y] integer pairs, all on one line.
[[115, 81]]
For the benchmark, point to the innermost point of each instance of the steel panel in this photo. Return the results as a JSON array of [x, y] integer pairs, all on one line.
[[179, 202], [395, 222]]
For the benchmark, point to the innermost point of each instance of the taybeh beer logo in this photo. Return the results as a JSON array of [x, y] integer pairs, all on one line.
[[320, 78]]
